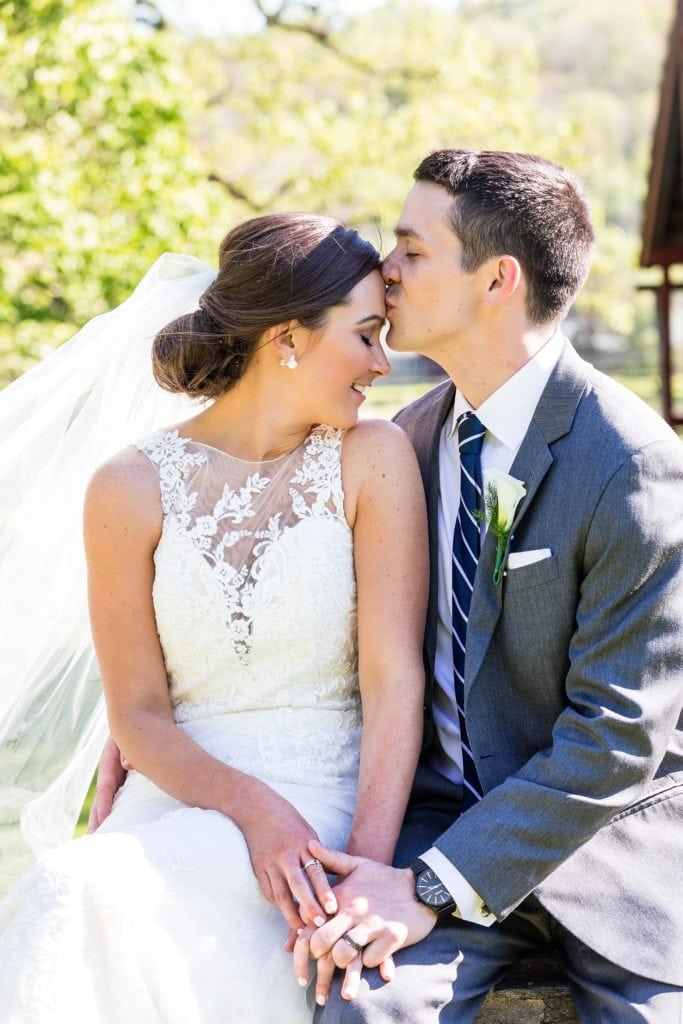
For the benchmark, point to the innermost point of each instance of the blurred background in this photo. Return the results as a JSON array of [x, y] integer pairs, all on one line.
[[128, 129]]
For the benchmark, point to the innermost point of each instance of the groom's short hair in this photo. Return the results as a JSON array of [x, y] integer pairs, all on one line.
[[519, 205]]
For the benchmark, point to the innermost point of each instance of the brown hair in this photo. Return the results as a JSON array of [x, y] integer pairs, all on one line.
[[524, 206], [272, 269]]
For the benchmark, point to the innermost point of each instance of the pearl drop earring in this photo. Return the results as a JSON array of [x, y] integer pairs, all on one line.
[[290, 363]]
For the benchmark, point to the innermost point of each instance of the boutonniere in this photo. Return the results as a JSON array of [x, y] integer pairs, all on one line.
[[502, 495]]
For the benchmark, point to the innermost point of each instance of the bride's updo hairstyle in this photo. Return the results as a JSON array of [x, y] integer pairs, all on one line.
[[272, 269]]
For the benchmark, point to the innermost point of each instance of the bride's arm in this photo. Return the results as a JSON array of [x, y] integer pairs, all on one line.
[[122, 526], [386, 507]]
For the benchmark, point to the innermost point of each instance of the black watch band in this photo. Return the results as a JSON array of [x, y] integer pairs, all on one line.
[[430, 890]]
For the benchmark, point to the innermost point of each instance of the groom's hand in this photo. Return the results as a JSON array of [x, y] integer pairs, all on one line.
[[377, 910], [111, 774]]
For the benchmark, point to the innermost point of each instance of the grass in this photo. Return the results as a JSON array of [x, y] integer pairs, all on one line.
[[82, 823], [384, 400]]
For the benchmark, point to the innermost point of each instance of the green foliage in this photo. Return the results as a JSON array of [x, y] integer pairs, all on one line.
[[96, 174], [342, 131], [118, 142], [601, 65], [339, 125]]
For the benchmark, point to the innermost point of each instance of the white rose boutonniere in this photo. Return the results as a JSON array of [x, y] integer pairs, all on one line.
[[502, 495]]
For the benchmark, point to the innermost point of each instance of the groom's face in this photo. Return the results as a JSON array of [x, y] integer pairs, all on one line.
[[430, 298]]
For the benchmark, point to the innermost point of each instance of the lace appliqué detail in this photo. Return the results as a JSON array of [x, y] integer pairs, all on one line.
[[168, 452], [315, 492], [316, 486]]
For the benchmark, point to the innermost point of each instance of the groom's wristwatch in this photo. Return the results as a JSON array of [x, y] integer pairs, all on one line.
[[430, 890]]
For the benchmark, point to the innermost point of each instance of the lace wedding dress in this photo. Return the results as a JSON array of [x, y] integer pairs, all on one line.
[[158, 916]]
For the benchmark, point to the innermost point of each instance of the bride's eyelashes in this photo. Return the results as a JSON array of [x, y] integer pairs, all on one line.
[[372, 339]]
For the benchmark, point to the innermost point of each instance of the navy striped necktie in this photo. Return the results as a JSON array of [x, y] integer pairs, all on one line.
[[466, 543]]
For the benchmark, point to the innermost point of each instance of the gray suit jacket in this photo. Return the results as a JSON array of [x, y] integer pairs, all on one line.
[[574, 674]]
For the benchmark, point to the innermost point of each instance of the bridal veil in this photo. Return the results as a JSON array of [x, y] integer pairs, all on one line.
[[58, 422]]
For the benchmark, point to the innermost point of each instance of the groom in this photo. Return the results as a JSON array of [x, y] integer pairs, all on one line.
[[548, 806]]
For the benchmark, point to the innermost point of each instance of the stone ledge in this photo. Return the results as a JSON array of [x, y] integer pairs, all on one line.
[[534, 991]]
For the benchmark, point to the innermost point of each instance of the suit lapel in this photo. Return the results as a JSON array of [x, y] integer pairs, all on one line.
[[552, 419]]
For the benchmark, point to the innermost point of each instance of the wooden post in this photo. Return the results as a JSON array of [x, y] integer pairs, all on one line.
[[665, 362]]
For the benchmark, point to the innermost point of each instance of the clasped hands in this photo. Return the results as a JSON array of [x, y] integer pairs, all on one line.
[[371, 904], [376, 910]]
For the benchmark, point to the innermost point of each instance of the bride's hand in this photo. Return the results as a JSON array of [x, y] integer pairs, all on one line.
[[290, 879], [111, 774]]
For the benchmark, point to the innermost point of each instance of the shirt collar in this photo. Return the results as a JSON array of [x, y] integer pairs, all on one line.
[[508, 412]]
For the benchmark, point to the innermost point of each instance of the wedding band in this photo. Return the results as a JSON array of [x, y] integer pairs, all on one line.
[[311, 862], [353, 944]]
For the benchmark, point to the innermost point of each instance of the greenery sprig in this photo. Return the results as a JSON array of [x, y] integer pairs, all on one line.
[[502, 495]]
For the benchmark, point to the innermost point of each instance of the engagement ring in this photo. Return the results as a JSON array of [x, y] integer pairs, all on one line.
[[311, 862]]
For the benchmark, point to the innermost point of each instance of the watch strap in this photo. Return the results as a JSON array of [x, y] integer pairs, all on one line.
[[417, 867]]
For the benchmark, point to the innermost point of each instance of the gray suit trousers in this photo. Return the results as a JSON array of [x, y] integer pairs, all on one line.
[[446, 977]]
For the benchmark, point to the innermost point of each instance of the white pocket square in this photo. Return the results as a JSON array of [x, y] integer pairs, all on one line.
[[516, 559]]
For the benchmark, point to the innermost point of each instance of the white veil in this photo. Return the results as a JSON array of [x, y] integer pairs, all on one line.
[[57, 423]]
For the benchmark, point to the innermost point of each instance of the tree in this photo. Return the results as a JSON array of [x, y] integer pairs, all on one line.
[[97, 173], [340, 128], [121, 140], [328, 113]]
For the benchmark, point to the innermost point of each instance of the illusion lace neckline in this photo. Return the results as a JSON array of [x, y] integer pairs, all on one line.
[[236, 458], [242, 519]]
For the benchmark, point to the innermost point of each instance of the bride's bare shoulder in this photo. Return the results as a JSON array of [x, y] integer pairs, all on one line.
[[379, 468], [125, 488], [375, 443]]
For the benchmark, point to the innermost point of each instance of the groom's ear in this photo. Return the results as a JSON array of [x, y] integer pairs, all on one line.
[[505, 279]]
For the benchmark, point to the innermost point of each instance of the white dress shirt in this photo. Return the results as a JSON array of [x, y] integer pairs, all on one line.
[[506, 415]]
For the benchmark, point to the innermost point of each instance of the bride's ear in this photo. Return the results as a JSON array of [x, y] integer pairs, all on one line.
[[280, 338]]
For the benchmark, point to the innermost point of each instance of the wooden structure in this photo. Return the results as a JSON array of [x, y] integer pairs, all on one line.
[[533, 992], [663, 223]]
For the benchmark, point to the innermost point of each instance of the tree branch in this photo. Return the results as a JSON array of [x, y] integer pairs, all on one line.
[[238, 193], [277, 18], [322, 36], [148, 12]]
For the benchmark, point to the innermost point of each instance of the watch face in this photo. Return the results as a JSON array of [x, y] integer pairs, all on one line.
[[431, 890]]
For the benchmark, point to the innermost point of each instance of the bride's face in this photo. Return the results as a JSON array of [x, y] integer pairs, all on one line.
[[338, 361]]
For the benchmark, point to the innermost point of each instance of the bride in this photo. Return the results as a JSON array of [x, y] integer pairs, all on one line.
[[257, 586]]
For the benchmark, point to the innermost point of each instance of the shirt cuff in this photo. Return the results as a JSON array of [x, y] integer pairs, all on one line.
[[470, 905]]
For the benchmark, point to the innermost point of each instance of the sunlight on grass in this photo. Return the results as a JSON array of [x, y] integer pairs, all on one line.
[[384, 400], [82, 823]]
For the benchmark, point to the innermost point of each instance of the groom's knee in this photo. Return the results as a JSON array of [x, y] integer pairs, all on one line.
[[372, 1005], [423, 984]]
